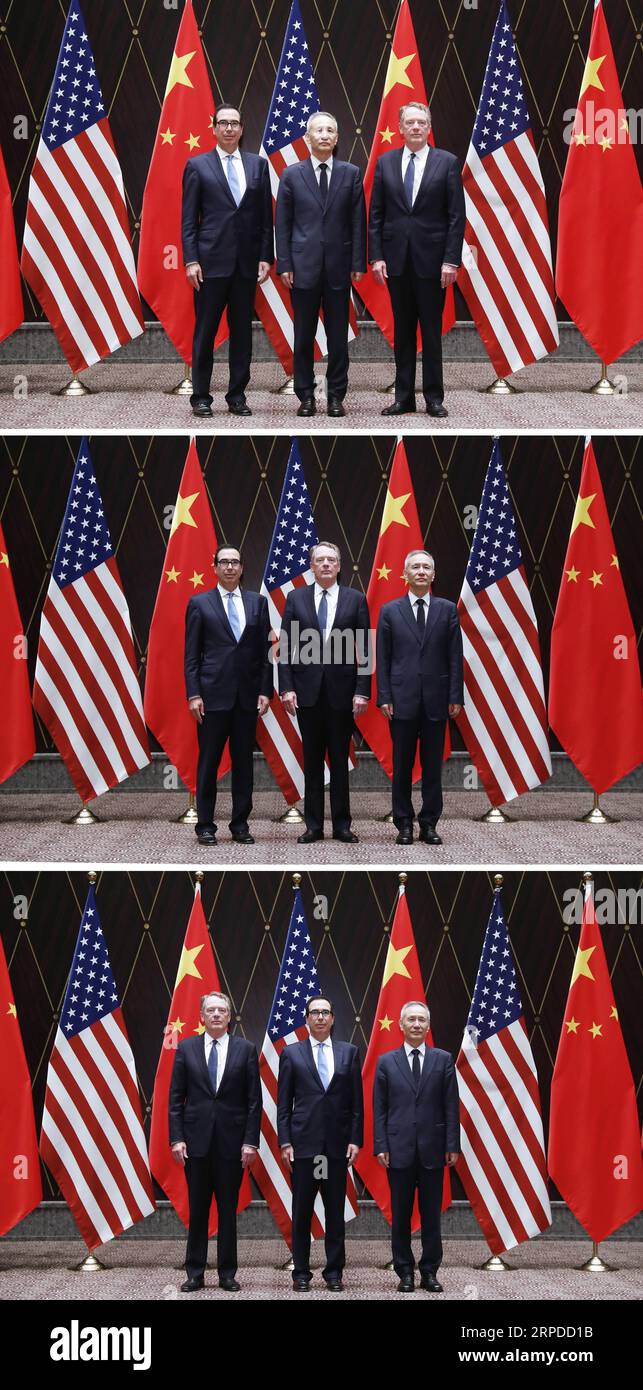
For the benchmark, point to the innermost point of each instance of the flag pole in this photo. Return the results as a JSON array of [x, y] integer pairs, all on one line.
[[184, 387], [597, 816], [75, 387], [602, 387]]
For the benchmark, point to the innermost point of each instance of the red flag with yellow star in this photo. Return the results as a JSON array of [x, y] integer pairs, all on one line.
[[400, 532], [594, 1139], [401, 983], [600, 219], [11, 306], [188, 569], [17, 740], [403, 83], [20, 1184], [185, 128], [595, 703], [197, 975]]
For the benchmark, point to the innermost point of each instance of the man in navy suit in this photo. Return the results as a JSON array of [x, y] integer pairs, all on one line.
[[416, 1131], [320, 1128], [415, 234], [420, 680], [320, 226], [325, 680], [214, 1128], [228, 679], [228, 246]]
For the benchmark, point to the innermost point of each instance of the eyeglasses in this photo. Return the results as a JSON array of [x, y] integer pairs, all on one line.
[[228, 564], [232, 125], [319, 1013]]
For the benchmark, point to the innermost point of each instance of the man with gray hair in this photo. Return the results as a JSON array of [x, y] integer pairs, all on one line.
[[416, 1132], [420, 682], [214, 1129], [320, 226]]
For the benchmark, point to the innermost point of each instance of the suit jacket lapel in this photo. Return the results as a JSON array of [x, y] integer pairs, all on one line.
[[340, 605], [337, 176], [429, 1062], [220, 610], [200, 1057], [229, 1062], [308, 1054], [247, 169], [409, 616], [402, 1061], [308, 173], [431, 619], [430, 170], [219, 171]]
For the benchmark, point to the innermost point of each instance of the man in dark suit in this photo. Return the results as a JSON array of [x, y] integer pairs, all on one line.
[[320, 226], [415, 234], [324, 679], [228, 679], [214, 1127], [420, 680], [320, 1128], [228, 247], [416, 1130]]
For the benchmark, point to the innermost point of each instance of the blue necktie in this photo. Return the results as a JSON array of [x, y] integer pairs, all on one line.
[[322, 1066], [233, 617], [212, 1065], [322, 614], [408, 180], [233, 180]]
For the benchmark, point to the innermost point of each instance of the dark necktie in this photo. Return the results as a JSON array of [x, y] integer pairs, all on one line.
[[420, 613], [416, 1067], [322, 614], [212, 1065], [323, 182], [408, 180]]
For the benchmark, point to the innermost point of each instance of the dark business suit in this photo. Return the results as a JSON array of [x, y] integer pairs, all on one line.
[[319, 1122], [214, 1127], [325, 690], [228, 242], [321, 243], [420, 678], [229, 676], [417, 1128], [415, 241]]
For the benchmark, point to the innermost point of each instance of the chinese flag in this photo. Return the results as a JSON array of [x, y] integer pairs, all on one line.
[[17, 740], [399, 532], [595, 705], [11, 307], [197, 975], [185, 128], [404, 83], [594, 1138], [20, 1185], [401, 982], [188, 569], [600, 219]]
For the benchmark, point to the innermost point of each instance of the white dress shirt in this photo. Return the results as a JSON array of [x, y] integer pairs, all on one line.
[[414, 599], [316, 163], [409, 1049], [332, 595], [419, 162], [238, 165], [222, 1053], [238, 605], [330, 1060]]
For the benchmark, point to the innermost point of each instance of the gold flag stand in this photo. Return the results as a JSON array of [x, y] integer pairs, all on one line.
[[495, 1265], [83, 817], [292, 816], [597, 816], [495, 816], [183, 387], [90, 1265], [500, 387], [189, 815], [602, 387], [595, 1265], [75, 387]]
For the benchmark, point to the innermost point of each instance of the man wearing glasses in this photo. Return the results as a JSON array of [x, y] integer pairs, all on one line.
[[320, 1127], [228, 680], [228, 247]]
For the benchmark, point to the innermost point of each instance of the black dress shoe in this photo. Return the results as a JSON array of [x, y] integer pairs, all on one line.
[[230, 1285], [406, 1284], [400, 408], [436, 409], [191, 1285], [307, 406], [347, 837], [239, 408], [206, 837], [309, 837], [405, 834], [243, 837], [334, 1285], [429, 835], [335, 407], [301, 1285], [429, 1281], [202, 409]]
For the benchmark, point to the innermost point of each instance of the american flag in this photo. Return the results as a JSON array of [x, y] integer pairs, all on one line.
[[504, 721], [86, 688], [297, 981], [506, 274], [92, 1131], [76, 254], [294, 99], [287, 567], [502, 1165]]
